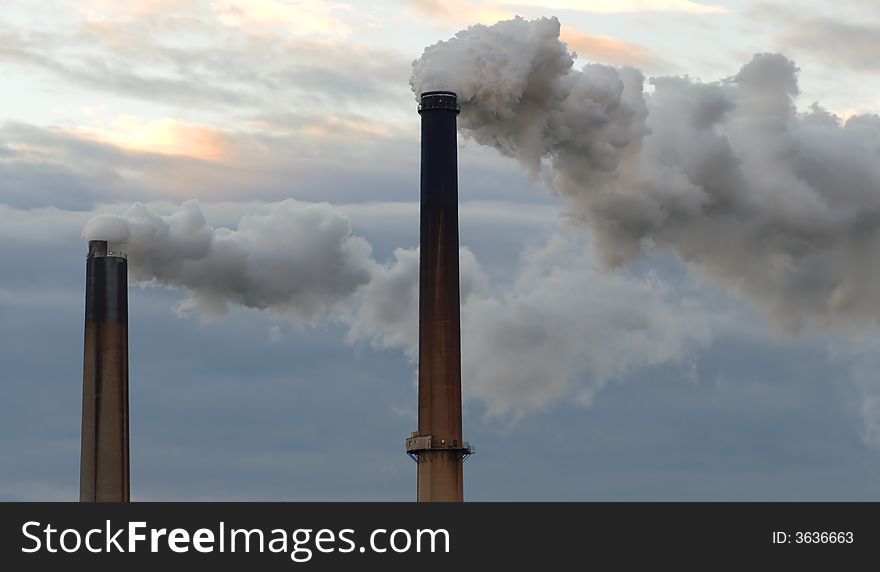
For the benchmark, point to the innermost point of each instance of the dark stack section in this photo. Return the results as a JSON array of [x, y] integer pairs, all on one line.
[[438, 446], [104, 458]]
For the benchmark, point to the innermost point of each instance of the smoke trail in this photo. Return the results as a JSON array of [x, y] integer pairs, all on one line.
[[562, 327], [300, 260], [784, 206]]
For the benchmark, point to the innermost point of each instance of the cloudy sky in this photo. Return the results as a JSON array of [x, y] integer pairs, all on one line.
[[674, 299]]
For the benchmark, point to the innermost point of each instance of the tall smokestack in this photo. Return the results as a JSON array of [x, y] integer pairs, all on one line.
[[104, 457], [437, 446]]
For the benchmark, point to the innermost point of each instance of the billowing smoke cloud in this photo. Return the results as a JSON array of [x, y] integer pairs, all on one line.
[[299, 259], [519, 94], [563, 327], [782, 205]]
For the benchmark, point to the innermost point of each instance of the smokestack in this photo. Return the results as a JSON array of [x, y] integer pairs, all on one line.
[[437, 446], [104, 456]]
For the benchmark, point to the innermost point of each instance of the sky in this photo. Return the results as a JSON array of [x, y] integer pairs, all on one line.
[[285, 133]]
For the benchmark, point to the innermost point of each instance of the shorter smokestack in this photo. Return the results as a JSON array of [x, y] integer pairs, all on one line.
[[104, 457]]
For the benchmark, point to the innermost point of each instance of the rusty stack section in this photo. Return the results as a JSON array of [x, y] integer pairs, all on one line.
[[104, 458], [437, 446]]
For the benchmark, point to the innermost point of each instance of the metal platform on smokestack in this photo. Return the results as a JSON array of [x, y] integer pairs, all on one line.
[[437, 446], [417, 444]]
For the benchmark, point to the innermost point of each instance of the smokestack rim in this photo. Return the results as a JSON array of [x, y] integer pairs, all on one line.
[[102, 249], [439, 99]]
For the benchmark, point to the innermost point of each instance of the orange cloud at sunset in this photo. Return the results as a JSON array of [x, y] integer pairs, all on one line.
[[303, 17], [609, 50], [490, 11], [332, 125], [311, 18], [165, 136], [100, 9], [625, 6], [461, 12]]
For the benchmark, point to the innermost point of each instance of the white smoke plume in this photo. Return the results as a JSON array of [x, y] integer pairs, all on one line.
[[299, 259], [562, 328], [784, 206]]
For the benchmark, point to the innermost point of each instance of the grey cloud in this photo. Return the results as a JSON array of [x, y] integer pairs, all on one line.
[[845, 37], [132, 57], [52, 166], [24, 184], [103, 73], [41, 168], [858, 353], [837, 42]]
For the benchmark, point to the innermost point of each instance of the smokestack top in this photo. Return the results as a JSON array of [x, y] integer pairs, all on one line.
[[98, 248], [439, 99], [101, 248]]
